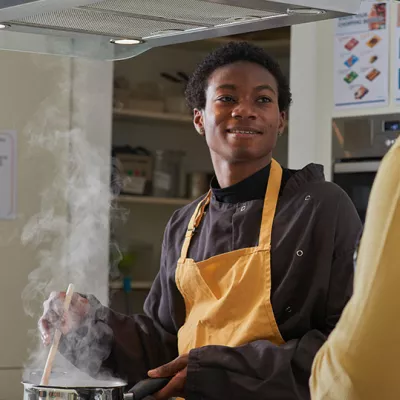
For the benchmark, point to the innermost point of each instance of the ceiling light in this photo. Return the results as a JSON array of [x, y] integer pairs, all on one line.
[[305, 11], [126, 41]]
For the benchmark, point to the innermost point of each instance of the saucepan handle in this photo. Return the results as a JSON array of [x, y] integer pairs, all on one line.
[[145, 388]]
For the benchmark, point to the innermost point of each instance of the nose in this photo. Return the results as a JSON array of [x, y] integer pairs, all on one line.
[[244, 110]]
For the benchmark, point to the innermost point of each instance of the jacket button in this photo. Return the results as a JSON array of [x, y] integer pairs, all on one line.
[[243, 208], [288, 309], [308, 197], [299, 253]]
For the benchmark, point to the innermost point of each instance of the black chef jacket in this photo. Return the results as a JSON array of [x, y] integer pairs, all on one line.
[[314, 234]]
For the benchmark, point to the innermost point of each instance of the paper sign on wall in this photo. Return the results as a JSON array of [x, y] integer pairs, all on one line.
[[8, 174], [396, 80], [362, 57]]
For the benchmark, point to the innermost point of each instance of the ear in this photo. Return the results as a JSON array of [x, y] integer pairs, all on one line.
[[198, 121], [282, 121]]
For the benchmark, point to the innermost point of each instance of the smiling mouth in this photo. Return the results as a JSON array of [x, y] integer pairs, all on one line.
[[245, 131]]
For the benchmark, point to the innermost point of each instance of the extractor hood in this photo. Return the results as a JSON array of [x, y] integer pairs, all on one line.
[[118, 29]]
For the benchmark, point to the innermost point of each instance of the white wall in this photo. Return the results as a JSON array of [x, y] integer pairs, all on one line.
[[312, 83], [38, 94], [29, 84], [311, 80]]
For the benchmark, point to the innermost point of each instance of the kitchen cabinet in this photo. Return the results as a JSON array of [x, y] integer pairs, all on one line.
[[158, 129]]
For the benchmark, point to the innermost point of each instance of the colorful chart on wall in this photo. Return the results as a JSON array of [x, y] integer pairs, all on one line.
[[362, 57]]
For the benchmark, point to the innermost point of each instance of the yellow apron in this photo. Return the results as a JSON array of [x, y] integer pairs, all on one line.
[[227, 297]]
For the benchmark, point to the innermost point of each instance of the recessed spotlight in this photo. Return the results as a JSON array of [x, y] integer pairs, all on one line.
[[305, 11], [126, 41], [4, 26]]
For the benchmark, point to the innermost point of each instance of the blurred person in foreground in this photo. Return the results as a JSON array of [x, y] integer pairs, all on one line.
[[254, 274], [360, 360]]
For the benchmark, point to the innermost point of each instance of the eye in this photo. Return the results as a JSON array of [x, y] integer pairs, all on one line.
[[263, 99], [226, 99]]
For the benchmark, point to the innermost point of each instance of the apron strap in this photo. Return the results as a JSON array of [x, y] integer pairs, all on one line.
[[194, 223], [270, 202]]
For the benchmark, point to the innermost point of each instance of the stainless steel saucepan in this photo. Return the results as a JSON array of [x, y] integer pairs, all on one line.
[[93, 390]]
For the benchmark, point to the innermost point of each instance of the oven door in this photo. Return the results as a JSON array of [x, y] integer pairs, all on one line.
[[356, 177]]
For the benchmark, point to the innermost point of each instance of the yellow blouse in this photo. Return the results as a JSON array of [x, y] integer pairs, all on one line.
[[361, 358]]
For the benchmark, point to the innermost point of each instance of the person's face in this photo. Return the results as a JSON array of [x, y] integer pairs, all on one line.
[[241, 118]]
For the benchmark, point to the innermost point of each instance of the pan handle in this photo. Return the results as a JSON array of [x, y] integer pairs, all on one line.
[[145, 388]]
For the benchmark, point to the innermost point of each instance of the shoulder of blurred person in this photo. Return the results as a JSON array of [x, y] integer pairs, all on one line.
[[360, 358]]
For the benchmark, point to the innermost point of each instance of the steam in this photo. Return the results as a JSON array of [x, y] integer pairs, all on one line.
[[69, 229], [70, 233]]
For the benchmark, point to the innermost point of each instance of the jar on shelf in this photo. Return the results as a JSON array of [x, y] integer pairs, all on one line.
[[168, 173]]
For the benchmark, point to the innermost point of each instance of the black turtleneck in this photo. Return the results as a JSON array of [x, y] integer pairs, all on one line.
[[250, 188]]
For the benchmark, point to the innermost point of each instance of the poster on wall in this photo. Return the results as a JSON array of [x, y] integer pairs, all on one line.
[[8, 175], [361, 57], [396, 79]]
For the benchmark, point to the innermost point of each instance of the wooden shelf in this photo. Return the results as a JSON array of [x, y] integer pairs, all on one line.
[[149, 115], [153, 200], [119, 285]]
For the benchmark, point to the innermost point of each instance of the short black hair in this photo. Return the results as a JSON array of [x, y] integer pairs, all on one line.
[[228, 54]]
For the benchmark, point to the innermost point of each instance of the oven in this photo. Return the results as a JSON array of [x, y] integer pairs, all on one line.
[[358, 146], [356, 177]]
